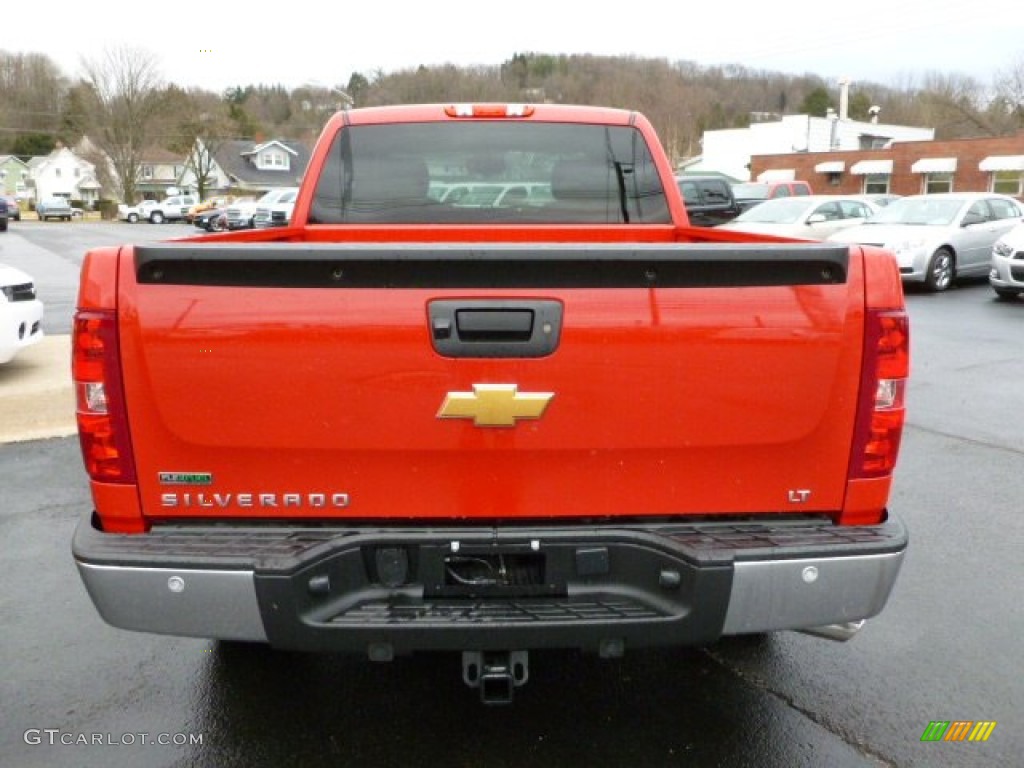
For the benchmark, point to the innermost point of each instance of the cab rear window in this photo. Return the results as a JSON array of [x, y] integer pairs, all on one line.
[[489, 172]]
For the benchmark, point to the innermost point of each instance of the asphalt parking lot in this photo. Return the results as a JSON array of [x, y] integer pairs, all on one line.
[[947, 646]]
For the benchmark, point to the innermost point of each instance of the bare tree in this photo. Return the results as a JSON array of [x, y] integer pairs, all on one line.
[[200, 126], [125, 88], [31, 95], [1010, 90]]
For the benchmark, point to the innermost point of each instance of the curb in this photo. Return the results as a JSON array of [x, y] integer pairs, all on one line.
[[36, 396]]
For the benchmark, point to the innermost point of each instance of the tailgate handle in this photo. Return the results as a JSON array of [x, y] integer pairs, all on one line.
[[495, 327], [513, 324]]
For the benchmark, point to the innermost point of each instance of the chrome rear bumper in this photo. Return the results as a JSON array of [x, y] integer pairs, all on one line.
[[606, 588]]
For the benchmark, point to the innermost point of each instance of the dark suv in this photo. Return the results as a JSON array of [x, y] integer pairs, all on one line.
[[13, 211], [708, 199]]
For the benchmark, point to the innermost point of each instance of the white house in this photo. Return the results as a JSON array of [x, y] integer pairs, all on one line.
[[247, 166], [62, 173], [729, 151]]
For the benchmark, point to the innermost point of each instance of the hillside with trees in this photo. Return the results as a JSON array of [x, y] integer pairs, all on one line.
[[124, 105]]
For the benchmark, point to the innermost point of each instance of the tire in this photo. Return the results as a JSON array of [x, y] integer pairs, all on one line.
[[941, 270], [132, 218], [156, 218], [1006, 294], [3, 225]]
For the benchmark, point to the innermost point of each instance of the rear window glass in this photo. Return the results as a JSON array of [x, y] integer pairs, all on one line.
[[487, 172]]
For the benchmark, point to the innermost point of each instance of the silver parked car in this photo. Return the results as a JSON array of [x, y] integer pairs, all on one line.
[[813, 217], [939, 238], [54, 208], [1007, 269]]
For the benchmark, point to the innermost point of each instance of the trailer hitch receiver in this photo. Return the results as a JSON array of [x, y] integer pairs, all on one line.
[[495, 673]]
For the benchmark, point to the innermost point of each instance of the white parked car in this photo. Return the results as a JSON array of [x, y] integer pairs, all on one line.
[[938, 238], [133, 213], [172, 208], [242, 215], [278, 212], [21, 313], [813, 217], [1007, 270]]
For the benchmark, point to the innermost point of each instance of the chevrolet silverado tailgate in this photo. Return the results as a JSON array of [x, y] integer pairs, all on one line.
[[490, 381]]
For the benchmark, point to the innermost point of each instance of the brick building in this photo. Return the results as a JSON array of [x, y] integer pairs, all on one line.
[[906, 168]]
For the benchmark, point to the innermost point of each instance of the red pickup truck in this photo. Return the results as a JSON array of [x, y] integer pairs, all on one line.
[[570, 419]]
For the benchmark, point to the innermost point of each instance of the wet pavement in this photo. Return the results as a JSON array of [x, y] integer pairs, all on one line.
[[947, 646]]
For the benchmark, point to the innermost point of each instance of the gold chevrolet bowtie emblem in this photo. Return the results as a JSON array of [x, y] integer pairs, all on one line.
[[494, 405]]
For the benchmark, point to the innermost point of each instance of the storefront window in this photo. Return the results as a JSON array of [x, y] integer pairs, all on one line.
[[1008, 182], [876, 184], [935, 183]]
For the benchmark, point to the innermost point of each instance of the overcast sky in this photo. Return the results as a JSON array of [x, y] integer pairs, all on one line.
[[217, 45]]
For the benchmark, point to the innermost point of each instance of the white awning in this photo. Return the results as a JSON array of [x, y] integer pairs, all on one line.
[[871, 167], [1002, 163], [777, 174], [934, 165], [830, 166]]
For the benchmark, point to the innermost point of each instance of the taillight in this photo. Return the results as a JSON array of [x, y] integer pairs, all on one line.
[[99, 398], [881, 409]]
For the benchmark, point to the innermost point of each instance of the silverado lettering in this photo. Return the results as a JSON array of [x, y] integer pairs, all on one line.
[[224, 500], [570, 419]]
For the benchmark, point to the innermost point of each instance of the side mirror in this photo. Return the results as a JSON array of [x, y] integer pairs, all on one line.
[[972, 218], [816, 218]]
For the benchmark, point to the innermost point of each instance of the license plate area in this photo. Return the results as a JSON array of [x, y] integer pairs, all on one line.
[[493, 572]]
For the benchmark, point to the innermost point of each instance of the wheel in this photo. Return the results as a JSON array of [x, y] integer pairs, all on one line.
[[156, 218], [1006, 294], [3, 225], [132, 218], [940, 270]]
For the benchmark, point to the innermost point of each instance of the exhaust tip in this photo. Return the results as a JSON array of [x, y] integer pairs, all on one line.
[[838, 632]]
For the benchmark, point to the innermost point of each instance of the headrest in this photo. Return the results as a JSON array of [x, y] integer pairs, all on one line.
[[389, 180], [580, 178]]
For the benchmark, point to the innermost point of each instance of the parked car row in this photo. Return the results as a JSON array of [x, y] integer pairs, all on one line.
[[941, 237], [936, 238], [273, 209]]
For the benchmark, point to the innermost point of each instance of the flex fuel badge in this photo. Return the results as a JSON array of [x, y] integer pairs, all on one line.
[[185, 478]]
